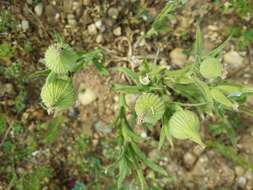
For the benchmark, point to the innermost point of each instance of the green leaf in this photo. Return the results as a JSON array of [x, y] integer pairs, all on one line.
[[141, 179], [37, 74], [211, 68], [2, 123], [230, 90], [219, 97], [205, 91], [127, 89], [100, 67], [146, 161], [128, 133], [79, 186], [123, 171], [165, 133], [6, 51], [198, 49], [218, 50], [53, 128], [132, 75]]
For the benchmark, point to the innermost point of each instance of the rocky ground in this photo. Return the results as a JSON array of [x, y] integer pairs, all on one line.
[[85, 146]]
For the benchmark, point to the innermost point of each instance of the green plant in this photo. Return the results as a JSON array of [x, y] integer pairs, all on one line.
[[130, 154], [6, 51], [240, 7], [62, 61], [159, 24], [79, 186], [7, 22], [176, 99], [34, 180]]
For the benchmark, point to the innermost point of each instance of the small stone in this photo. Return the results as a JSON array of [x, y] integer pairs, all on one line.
[[25, 25], [9, 89], [67, 6], [71, 20], [92, 30], [178, 57], [233, 59], [39, 9], [239, 170], [101, 127], [76, 5], [86, 2], [87, 97], [117, 31], [131, 99], [113, 12], [99, 25], [29, 2], [189, 159], [99, 39], [241, 181]]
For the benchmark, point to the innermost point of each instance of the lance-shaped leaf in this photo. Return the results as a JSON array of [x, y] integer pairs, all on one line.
[[184, 124], [219, 97], [235, 90], [230, 90], [211, 68], [149, 108]]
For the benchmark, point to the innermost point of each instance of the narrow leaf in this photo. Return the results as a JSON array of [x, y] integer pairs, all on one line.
[[146, 161], [132, 75]]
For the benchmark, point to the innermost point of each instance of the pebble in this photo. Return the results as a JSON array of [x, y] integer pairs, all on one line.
[[239, 170], [100, 127], [99, 25], [117, 31], [39, 9], [233, 58], [178, 57], [92, 29], [71, 20], [67, 6], [76, 5], [131, 99], [241, 181], [9, 89], [113, 12], [25, 25], [87, 97], [29, 2], [99, 39], [189, 159]]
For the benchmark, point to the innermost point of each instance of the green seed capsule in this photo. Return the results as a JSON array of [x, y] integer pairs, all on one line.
[[149, 108], [211, 68], [58, 95], [184, 124], [60, 58]]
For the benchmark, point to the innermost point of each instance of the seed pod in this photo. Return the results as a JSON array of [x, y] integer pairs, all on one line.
[[60, 58], [211, 68], [184, 124], [149, 108], [58, 95]]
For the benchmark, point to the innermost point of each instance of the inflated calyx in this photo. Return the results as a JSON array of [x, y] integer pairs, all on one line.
[[184, 124], [58, 95], [60, 58], [211, 68], [149, 108]]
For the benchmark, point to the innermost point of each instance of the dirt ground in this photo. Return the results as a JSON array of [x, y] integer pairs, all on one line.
[[117, 27]]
